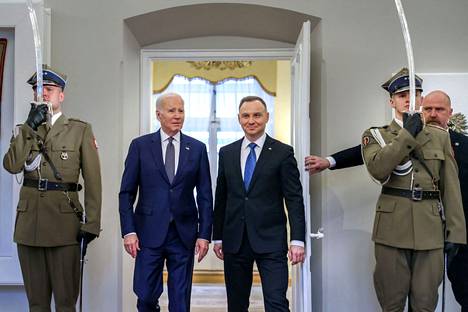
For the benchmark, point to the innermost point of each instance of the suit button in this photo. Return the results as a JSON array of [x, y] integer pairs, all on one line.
[[409, 146], [417, 185], [42, 195], [243, 218], [246, 198], [171, 190], [44, 164], [416, 170]]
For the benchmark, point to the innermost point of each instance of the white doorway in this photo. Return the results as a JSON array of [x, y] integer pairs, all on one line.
[[300, 138]]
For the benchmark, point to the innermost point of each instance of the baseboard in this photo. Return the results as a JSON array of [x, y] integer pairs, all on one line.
[[213, 277]]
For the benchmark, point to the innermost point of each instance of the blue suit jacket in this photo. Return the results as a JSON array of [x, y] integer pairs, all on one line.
[[145, 174]]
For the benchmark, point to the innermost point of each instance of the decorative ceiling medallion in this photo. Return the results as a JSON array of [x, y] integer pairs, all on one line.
[[221, 65]]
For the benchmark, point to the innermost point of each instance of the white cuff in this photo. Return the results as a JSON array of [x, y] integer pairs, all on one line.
[[131, 233], [217, 242], [297, 243], [332, 161]]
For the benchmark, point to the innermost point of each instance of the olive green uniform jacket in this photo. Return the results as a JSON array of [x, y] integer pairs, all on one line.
[[402, 222], [45, 218]]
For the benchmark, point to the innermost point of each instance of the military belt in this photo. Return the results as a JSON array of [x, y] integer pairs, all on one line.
[[46, 185], [415, 194]]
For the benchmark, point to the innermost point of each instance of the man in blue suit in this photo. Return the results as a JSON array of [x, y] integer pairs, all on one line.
[[169, 225]]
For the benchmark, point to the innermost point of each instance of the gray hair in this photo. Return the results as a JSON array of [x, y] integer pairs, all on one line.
[[160, 100]]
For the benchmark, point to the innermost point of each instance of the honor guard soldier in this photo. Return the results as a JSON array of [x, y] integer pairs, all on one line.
[[419, 208], [51, 152]]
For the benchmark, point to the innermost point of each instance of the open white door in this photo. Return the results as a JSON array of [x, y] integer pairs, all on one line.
[[300, 72]]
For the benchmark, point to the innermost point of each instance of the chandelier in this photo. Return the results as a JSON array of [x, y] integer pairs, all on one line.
[[220, 65]]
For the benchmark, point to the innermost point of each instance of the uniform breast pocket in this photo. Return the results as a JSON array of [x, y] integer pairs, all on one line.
[[434, 159], [66, 156]]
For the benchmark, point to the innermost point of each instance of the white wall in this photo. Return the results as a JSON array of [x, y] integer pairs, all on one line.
[[361, 44]]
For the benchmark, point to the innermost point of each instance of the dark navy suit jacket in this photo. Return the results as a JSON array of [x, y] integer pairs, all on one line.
[[158, 199], [260, 209]]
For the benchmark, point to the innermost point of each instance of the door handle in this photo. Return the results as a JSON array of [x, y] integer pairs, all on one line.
[[318, 235]]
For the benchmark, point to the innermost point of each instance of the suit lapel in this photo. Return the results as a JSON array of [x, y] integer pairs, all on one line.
[[184, 153], [235, 161], [156, 150], [265, 156]]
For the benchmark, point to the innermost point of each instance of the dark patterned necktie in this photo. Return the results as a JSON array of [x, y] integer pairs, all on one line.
[[170, 159], [250, 165]]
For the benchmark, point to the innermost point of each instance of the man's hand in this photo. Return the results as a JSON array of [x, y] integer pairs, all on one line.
[[37, 115], [451, 249], [315, 164], [131, 244], [412, 123], [296, 254], [85, 236], [218, 250], [201, 248]]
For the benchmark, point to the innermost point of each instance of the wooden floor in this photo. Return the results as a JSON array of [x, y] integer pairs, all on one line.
[[212, 298]]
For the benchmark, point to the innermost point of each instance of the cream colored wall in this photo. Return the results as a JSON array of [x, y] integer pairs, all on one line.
[[283, 102]]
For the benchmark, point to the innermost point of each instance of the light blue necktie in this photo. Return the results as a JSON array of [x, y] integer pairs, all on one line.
[[250, 165]]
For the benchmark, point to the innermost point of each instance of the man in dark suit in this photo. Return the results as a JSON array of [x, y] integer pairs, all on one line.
[[255, 175], [436, 110], [168, 224]]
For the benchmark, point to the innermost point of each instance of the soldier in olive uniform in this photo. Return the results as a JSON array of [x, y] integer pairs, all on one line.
[[419, 208], [50, 222]]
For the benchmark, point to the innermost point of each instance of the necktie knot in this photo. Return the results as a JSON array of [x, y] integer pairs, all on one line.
[[170, 139], [252, 146]]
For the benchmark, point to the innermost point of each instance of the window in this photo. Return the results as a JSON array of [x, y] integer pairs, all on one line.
[[211, 110]]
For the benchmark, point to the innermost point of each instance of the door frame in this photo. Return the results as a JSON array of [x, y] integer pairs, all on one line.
[[149, 55]]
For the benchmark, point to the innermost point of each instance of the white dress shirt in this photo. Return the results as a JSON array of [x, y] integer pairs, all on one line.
[[245, 151], [54, 118]]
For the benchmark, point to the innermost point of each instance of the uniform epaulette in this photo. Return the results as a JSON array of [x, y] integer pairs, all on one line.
[[78, 120], [436, 126]]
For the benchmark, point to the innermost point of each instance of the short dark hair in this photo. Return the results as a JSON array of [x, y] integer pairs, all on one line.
[[252, 98]]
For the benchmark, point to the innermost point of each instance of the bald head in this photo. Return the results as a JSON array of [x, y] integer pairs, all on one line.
[[437, 108]]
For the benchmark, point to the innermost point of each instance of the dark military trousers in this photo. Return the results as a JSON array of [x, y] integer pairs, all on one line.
[[458, 275], [400, 273], [48, 270]]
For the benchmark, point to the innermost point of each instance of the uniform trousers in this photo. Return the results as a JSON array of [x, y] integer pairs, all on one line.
[[238, 273], [402, 272], [50, 270]]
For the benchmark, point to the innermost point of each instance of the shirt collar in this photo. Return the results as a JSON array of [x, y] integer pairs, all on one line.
[[165, 136], [260, 141], [55, 117], [399, 122]]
